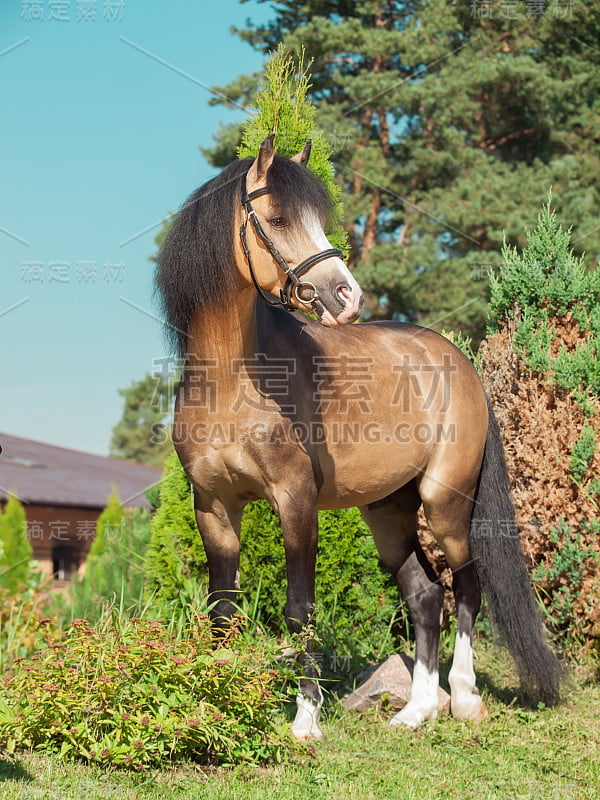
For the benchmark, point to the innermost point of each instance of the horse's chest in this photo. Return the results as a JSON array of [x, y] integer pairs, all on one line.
[[243, 470], [219, 467]]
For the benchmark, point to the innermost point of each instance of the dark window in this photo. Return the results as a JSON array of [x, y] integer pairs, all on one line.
[[64, 563]]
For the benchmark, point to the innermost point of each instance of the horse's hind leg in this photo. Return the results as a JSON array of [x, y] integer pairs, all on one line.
[[424, 597], [393, 523], [448, 512], [465, 700]]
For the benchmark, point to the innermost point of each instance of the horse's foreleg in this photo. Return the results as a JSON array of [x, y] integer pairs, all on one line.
[[220, 531], [300, 534]]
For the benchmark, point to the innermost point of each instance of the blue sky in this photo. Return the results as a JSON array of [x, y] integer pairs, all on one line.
[[98, 143]]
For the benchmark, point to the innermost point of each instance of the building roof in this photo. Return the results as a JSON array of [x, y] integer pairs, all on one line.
[[45, 474]]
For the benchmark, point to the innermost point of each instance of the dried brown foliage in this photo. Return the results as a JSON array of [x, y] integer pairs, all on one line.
[[540, 424]]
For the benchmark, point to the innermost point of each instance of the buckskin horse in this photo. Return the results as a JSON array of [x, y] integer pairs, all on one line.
[[316, 414]]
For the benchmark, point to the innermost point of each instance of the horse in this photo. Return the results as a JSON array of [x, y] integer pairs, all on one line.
[[309, 412]]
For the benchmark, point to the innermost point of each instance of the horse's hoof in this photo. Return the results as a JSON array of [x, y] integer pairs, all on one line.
[[480, 714], [475, 711], [412, 717], [309, 736]]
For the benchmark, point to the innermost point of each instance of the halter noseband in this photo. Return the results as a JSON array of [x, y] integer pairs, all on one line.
[[293, 284]]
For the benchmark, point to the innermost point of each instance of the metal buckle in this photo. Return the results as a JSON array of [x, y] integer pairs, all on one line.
[[299, 289]]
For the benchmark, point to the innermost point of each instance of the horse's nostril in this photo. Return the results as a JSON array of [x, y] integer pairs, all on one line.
[[344, 293]]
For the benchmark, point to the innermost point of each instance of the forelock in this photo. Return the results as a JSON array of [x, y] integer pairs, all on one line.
[[294, 188]]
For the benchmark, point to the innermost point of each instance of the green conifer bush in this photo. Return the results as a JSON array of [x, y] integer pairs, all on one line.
[[15, 549], [114, 570]]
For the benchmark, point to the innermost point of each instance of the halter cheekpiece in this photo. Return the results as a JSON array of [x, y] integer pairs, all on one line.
[[304, 291]]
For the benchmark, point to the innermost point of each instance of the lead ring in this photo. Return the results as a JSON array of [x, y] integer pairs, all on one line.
[[299, 289]]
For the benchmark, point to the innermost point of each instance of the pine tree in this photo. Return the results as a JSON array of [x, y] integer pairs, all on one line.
[[142, 433], [15, 549], [447, 121]]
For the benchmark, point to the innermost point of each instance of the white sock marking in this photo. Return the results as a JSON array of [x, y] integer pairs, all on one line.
[[423, 703], [465, 701], [306, 724]]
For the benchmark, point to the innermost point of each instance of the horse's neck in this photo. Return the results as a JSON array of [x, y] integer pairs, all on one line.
[[224, 337]]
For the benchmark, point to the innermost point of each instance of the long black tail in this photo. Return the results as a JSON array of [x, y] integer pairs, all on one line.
[[504, 579]]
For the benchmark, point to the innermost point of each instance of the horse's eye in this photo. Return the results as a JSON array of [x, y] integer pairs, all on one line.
[[278, 222]]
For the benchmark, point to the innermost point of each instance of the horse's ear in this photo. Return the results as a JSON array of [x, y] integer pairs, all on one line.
[[260, 165], [304, 154]]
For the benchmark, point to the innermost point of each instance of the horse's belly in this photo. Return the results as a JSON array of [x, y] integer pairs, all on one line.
[[357, 476]]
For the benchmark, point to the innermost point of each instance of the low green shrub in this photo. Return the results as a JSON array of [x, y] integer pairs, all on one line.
[[131, 693], [20, 631]]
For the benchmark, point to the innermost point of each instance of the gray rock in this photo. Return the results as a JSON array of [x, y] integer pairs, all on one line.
[[391, 680]]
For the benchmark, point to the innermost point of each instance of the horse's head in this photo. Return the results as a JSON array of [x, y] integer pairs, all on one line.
[[287, 253]]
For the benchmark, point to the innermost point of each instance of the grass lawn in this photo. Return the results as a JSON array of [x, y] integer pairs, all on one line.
[[515, 754]]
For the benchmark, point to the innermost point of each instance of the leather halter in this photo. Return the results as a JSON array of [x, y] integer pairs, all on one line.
[[293, 284]]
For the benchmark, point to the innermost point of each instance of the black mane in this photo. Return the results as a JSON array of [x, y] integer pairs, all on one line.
[[196, 262]]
